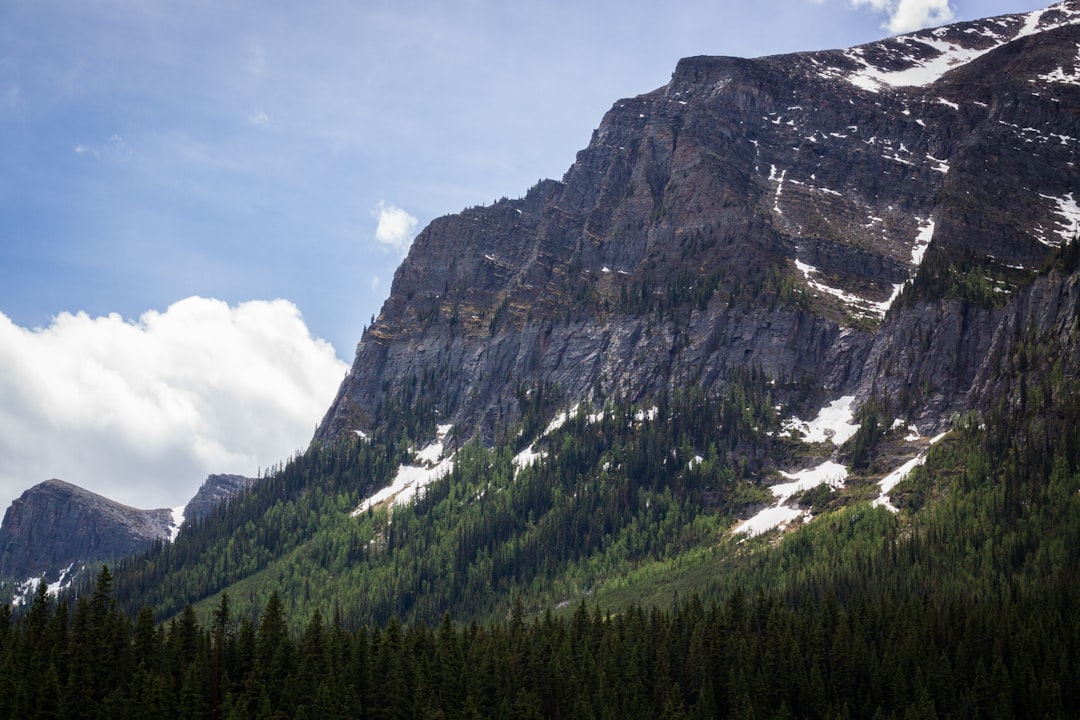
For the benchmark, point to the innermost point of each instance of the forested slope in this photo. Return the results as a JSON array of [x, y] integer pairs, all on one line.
[[964, 605]]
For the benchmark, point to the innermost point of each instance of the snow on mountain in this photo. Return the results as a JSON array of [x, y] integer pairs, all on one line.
[[887, 483], [922, 58], [411, 479], [780, 514], [1069, 212], [833, 423], [530, 455], [24, 591], [177, 521]]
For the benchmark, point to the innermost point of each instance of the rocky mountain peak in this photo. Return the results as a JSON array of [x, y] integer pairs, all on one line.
[[55, 525], [55, 529], [215, 490], [844, 220]]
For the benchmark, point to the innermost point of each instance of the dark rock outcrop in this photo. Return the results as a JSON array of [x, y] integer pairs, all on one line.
[[860, 221], [215, 490]]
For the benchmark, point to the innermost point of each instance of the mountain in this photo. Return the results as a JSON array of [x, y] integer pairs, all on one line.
[[55, 530], [829, 297], [854, 218], [215, 490], [769, 408]]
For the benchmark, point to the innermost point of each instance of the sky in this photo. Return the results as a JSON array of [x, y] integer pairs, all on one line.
[[202, 203]]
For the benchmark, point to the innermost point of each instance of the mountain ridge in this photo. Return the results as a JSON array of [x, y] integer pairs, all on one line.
[[55, 526], [600, 386], [770, 408], [55, 530], [833, 210]]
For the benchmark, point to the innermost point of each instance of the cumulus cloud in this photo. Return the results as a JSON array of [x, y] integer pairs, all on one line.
[[907, 15], [395, 227], [141, 411]]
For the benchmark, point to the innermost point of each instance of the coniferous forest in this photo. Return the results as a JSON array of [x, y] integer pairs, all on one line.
[[963, 606], [874, 655]]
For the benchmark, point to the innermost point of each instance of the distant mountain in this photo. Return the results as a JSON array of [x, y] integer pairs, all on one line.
[[214, 491], [55, 529]]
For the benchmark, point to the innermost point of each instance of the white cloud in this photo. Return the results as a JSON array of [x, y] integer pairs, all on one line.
[[907, 15], [395, 227], [142, 411]]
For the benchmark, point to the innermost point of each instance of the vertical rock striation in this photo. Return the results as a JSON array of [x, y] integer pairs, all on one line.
[[850, 221]]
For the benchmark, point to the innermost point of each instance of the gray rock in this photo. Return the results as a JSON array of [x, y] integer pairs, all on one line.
[[55, 525], [215, 490], [711, 225]]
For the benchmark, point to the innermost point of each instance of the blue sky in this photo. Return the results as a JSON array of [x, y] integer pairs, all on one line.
[[240, 153]]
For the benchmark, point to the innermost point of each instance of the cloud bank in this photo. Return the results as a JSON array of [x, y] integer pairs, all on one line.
[[141, 411], [395, 228], [908, 15]]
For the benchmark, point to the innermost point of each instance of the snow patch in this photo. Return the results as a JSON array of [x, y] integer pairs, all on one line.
[[559, 420], [780, 514], [411, 479], [779, 180], [531, 455], [1060, 76], [527, 457], [866, 306], [177, 521], [890, 481], [948, 55], [1069, 211], [642, 415], [941, 166], [922, 241], [923, 73], [25, 591], [832, 424], [828, 473], [768, 519]]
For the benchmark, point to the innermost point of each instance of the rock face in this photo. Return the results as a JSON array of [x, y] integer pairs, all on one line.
[[852, 222], [54, 526], [55, 529], [214, 491]]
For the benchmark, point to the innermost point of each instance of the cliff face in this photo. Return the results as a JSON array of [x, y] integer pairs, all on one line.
[[54, 526], [56, 529], [852, 221], [214, 491]]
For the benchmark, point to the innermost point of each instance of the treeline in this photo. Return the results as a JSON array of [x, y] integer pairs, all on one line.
[[617, 487], [287, 507], [875, 656]]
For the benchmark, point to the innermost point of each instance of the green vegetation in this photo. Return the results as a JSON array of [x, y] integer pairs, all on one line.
[[964, 609], [604, 581], [616, 489], [978, 280]]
